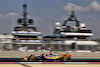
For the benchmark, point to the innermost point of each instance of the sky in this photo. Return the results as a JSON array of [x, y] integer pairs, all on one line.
[[46, 12]]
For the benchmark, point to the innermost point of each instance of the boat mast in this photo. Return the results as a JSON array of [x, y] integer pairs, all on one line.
[[24, 14], [24, 21], [72, 17]]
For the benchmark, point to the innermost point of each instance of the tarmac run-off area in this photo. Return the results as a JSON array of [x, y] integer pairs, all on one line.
[[49, 65]]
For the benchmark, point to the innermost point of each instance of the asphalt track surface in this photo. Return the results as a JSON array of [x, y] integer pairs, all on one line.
[[49, 65], [72, 60]]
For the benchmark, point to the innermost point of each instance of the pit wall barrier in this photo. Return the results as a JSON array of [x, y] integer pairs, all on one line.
[[49, 62]]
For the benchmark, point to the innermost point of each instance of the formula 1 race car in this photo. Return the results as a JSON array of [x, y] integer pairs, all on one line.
[[48, 57]]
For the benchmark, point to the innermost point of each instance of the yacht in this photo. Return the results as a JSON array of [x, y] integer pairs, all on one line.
[[25, 33], [67, 36]]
